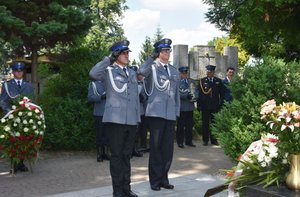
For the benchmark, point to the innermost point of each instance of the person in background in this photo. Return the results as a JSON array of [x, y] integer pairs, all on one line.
[[229, 75], [97, 96], [121, 114], [135, 151], [184, 130], [13, 90], [163, 107], [211, 98]]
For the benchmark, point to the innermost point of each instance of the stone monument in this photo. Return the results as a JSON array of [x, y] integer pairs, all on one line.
[[201, 55]]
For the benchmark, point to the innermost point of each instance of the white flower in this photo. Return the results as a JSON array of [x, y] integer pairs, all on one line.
[[3, 120], [284, 161], [18, 120], [17, 134], [21, 102], [29, 113], [263, 164], [37, 111], [26, 130], [41, 116], [11, 116], [2, 136], [39, 122], [13, 107], [36, 132], [20, 113], [25, 122], [44, 126], [30, 121], [41, 133], [27, 105], [6, 128], [15, 124], [33, 127]]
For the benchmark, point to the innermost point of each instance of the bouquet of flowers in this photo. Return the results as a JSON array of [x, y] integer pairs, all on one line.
[[266, 161], [21, 132], [284, 121], [261, 164]]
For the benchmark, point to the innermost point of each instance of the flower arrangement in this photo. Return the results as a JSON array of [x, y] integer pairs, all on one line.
[[266, 161], [21, 132], [284, 121]]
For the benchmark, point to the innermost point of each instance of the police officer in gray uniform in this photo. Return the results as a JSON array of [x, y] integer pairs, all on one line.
[[161, 81], [11, 91], [121, 114], [97, 95], [187, 100]]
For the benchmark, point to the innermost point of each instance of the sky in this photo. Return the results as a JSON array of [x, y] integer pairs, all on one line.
[[183, 21]]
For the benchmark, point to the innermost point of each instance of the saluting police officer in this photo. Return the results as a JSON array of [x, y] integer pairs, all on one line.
[[97, 96], [184, 130], [163, 105], [211, 98], [121, 115], [11, 91]]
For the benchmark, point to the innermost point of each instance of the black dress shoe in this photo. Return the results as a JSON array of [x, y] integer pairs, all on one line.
[[191, 145], [23, 168], [118, 194], [215, 143], [136, 153], [167, 186], [205, 143], [180, 145], [105, 157], [155, 188], [130, 194], [99, 158]]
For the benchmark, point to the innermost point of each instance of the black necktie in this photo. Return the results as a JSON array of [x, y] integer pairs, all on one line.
[[166, 67], [19, 84], [124, 69], [186, 81]]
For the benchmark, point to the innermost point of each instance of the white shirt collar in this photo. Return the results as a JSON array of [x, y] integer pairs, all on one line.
[[16, 80]]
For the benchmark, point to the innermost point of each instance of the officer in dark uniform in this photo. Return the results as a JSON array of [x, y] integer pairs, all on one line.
[[187, 100], [121, 114], [211, 98], [11, 91], [163, 107], [97, 96]]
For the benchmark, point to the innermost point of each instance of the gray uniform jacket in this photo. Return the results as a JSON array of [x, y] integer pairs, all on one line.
[[96, 90], [185, 103], [6, 98], [161, 103], [121, 107]]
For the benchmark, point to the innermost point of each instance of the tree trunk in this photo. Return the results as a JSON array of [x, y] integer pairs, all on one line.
[[34, 77]]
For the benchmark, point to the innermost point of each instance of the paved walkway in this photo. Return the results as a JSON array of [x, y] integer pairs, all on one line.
[[66, 174]]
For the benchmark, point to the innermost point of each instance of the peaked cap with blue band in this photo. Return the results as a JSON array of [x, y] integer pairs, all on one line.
[[210, 67], [120, 46], [164, 43], [18, 66], [183, 69]]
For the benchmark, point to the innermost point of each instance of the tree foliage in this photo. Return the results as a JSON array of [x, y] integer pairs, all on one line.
[[106, 28], [68, 115], [147, 46], [220, 43], [263, 27], [32, 25]]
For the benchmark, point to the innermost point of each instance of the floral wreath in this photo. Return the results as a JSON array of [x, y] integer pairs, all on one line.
[[21, 132]]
